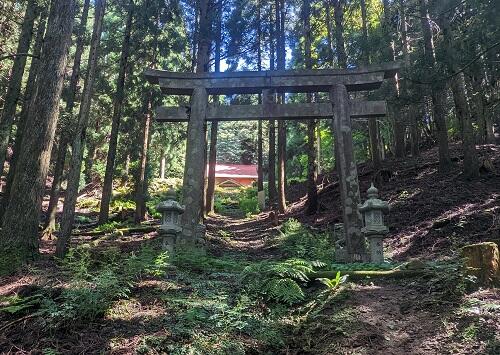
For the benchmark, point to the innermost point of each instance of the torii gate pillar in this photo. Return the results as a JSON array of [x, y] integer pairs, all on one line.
[[194, 170], [348, 174]]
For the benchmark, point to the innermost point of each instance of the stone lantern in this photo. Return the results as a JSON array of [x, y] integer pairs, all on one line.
[[170, 227], [374, 228]]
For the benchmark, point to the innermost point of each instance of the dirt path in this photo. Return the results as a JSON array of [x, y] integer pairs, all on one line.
[[381, 317], [249, 237]]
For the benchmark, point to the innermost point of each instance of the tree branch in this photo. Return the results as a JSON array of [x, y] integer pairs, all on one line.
[[10, 56]]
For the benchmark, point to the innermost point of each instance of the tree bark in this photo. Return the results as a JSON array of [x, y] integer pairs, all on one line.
[[140, 189], [281, 56], [14, 87], [372, 121], [462, 109], [339, 32], [68, 215], [107, 188], [65, 127], [29, 93], [329, 32], [436, 92], [162, 164], [193, 193], [312, 190], [267, 96], [19, 235], [260, 157], [412, 108], [212, 159]]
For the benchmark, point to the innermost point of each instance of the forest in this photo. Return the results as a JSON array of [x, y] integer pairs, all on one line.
[[249, 177]]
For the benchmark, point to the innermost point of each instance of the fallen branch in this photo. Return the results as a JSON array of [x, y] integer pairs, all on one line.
[[360, 274]]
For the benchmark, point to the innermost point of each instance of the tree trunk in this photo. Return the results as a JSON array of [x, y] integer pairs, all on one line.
[[312, 190], [372, 121], [212, 159], [140, 190], [193, 193], [260, 158], [50, 223], [14, 87], [89, 161], [19, 235], [65, 127], [281, 56], [436, 92], [68, 215], [212, 162], [339, 32], [162, 164], [329, 32], [29, 93], [412, 108], [107, 188], [267, 96], [462, 109]]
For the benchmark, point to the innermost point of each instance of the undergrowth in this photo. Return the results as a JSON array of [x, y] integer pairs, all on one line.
[[298, 241]]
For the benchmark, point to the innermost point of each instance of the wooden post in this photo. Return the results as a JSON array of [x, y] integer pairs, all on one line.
[[194, 169], [348, 173]]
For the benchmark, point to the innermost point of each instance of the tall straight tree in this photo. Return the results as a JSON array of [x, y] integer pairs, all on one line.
[[437, 92], [107, 188], [14, 88], [196, 131], [19, 235], [399, 129], [372, 121], [338, 8], [214, 127], [29, 93], [412, 115], [79, 137], [260, 157], [281, 56], [141, 183], [312, 190], [66, 126], [462, 109], [273, 192]]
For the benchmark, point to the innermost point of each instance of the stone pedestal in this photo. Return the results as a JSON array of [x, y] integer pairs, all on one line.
[[376, 243], [348, 174], [194, 169]]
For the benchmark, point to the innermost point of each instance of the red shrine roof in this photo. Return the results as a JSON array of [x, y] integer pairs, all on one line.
[[235, 171]]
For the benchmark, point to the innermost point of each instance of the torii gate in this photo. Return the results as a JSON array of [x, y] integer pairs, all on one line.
[[337, 82]]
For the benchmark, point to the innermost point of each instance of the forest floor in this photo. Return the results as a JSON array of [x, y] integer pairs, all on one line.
[[117, 293]]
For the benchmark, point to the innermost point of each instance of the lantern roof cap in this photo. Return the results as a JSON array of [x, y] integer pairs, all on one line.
[[170, 204], [373, 202]]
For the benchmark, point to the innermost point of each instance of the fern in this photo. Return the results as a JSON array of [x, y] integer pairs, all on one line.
[[278, 281]]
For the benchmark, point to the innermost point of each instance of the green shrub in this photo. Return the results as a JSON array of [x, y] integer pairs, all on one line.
[[300, 242], [248, 201], [94, 284]]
